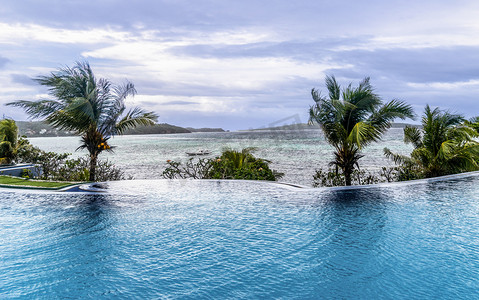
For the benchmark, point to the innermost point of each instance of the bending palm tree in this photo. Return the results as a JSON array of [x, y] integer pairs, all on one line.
[[352, 118], [444, 146], [93, 108]]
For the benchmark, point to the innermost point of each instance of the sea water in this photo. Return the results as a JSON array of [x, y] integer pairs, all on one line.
[[296, 153]]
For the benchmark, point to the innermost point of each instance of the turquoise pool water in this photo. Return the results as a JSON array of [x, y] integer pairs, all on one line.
[[228, 240]]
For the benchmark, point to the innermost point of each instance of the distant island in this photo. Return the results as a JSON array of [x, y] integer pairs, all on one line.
[[303, 126], [41, 129]]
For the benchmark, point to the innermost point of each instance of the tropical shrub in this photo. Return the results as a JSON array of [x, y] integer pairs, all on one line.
[[242, 165], [199, 169], [230, 165], [444, 145], [55, 166], [9, 142], [26, 173], [79, 170], [331, 177]]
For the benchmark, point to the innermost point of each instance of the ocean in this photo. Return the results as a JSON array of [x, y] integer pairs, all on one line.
[[296, 153]]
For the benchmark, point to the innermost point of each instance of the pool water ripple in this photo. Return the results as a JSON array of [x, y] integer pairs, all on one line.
[[231, 239]]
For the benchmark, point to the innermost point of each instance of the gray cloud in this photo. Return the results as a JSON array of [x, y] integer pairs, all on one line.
[[179, 103], [442, 64], [3, 62], [313, 51], [309, 32], [23, 79]]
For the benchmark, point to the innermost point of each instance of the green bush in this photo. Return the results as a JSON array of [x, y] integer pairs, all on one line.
[[26, 173], [8, 141], [332, 177], [230, 165], [55, 166], [191, 169]]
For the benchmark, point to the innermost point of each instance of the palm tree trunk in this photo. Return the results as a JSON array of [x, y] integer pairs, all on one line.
[[347, 175], [93, 161]]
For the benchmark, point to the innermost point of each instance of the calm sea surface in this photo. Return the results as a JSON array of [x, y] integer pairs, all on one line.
[[296, 153]]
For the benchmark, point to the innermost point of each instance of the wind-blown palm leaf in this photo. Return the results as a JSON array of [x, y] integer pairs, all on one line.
[[397, 158], [462, 134], [413, 135], [333, 87], [382, 118], [38, 109], [135, 117]]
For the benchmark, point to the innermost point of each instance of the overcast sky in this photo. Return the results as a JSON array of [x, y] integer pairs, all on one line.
[[246, 64]]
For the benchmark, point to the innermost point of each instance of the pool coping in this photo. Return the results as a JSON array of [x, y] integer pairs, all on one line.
[[297, 187], [89, 188], [398, 183]]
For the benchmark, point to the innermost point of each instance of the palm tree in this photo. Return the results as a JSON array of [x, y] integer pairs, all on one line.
[[93, 108], [445, 144], [352, 118], [8, 141]]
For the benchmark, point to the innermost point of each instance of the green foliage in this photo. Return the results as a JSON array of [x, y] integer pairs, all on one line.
[[352, 118], [58, 167], [7, 152], [230, 165], [473, 123], [242, 165], [26, 173], [328, 178], [93, 108], [331, 177], [445, 145], [191, 169], [8, 141], [78, 170]]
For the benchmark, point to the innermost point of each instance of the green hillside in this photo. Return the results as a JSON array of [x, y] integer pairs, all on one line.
[[40, 129]]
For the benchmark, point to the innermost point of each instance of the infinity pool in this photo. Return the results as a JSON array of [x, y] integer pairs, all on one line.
[[233, 239]]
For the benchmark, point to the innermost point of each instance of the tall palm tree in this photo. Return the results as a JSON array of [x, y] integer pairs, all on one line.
[[352, 118], [445, 144], [93, 108]]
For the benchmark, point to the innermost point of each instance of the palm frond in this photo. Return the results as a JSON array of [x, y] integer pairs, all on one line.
[[413, 135], [333, 87], [135, 117], [38, 109], [83, 108], [398, 159], [362, 134]]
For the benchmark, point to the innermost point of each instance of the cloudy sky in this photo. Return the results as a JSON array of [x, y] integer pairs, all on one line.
[[246, 64]]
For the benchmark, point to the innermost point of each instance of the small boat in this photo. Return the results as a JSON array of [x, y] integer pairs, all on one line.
[[200, 152]]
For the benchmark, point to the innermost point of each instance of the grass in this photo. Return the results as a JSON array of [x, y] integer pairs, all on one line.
[[10, 181]]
